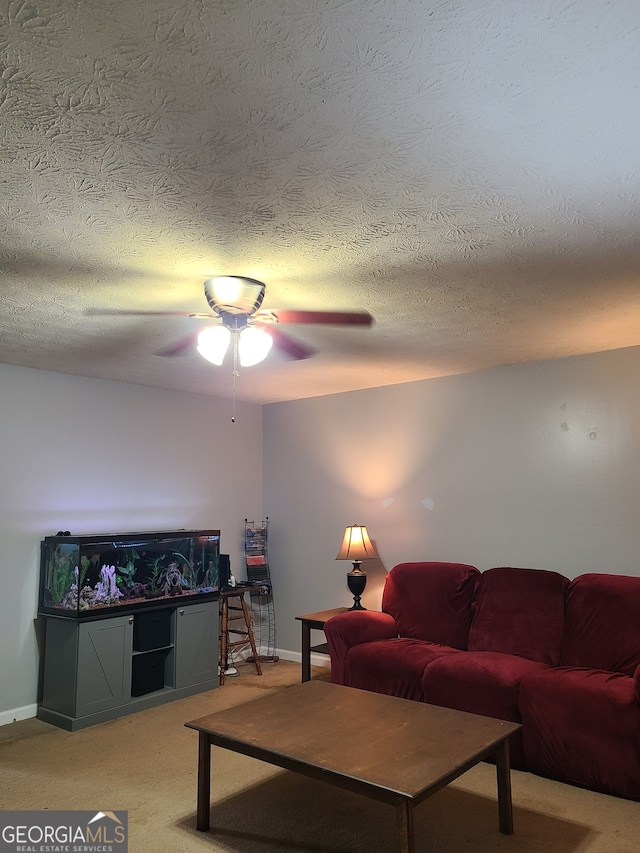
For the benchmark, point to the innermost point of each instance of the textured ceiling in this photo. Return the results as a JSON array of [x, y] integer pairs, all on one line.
[[468, 172]]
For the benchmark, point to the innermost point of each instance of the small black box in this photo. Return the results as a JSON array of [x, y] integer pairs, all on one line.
[[147, 674], [152, 630], [224, 571]]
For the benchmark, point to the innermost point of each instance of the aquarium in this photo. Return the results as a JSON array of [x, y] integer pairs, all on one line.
[[91, 576]]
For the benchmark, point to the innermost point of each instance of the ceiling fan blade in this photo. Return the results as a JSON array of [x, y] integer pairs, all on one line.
[[335, 318], [294, 349], [116, 312], [179, 347]]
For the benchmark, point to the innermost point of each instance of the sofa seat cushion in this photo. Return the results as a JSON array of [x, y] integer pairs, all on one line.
[[583, 726], [486, 683], [519, 612], [392, 666]]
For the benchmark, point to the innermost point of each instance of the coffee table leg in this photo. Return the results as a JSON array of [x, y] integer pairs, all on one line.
[[404, 819], [503, 770], [204, 782]]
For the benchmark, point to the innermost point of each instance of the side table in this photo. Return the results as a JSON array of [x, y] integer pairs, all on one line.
[[317, 622]]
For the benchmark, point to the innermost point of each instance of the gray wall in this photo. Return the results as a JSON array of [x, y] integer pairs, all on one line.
[[91, 456], [533, 465]]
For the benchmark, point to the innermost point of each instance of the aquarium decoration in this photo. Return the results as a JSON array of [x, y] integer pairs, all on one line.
[[83, 576]]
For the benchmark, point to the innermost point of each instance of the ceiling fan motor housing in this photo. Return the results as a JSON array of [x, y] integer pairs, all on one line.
[[235, 322], [232, 294]]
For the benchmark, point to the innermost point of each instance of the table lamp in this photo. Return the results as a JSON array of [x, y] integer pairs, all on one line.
[[356, 546]]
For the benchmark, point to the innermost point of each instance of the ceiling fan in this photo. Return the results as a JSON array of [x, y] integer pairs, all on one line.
[[237, 317]]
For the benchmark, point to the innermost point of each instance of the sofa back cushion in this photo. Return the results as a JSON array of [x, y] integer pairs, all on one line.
[[431, 601], [520, 612], [603, 623]]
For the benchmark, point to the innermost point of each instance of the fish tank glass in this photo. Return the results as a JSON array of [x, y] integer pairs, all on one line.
[[91, 576]]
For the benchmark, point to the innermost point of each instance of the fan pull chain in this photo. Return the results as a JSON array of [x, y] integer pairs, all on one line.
[[235, 375]]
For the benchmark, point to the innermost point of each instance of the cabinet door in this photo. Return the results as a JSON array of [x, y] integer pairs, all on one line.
[[104, 665], [196, 643]]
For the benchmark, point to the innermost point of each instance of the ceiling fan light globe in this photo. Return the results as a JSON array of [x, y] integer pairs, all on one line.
[[253, 346], [213, 343]]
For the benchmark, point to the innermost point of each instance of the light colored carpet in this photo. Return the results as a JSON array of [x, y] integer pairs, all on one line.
[[146, 763]]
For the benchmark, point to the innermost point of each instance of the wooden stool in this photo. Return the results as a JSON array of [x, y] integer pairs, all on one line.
[[226, 628]]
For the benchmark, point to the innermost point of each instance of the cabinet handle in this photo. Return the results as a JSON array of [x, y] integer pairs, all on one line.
[[130, 620], [181, 612]]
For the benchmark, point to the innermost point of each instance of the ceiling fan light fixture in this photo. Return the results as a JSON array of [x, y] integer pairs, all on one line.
[[253, 346], [213, 343], [234, 294]]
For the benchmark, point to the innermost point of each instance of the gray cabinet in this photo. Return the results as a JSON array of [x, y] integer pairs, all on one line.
[[98, 670], [196, 635], [104, 665]]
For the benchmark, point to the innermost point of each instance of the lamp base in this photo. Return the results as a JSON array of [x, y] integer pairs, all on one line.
[[356, 581]]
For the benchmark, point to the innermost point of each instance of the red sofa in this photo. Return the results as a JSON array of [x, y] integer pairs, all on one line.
[[561, 657]]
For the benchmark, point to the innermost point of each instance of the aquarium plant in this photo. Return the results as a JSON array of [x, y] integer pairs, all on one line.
[[125, 574], [63, 573]]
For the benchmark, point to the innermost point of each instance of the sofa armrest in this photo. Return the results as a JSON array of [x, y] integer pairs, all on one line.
[[352, 629]]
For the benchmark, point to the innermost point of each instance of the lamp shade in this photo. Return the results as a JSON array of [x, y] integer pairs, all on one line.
[[356, 545]]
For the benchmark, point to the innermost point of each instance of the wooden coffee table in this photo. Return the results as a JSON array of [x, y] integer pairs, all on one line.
[[394, 750]]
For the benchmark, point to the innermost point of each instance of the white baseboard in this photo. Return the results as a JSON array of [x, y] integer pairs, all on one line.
[[24, 713], [316, 660]]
